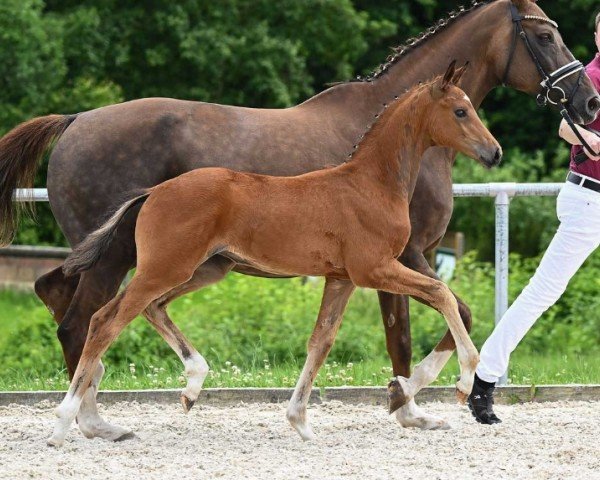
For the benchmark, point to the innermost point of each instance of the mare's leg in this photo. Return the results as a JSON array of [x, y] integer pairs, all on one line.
[[195, 365], [105, 326], [396, 278], [396, 320], [56, 291], [335, 298]]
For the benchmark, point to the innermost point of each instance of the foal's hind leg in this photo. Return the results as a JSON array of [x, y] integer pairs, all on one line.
[[195, 365], [58, 292], [105, 326], [196, 368], [335, 298]]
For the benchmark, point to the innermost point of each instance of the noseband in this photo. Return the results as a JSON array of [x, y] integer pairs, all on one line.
[[550, 82]]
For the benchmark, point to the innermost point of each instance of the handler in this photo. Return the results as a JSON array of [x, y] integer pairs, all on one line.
[[578, 235]]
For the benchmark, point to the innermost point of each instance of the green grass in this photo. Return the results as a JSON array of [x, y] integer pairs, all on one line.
[[525, 370], [244, 322]]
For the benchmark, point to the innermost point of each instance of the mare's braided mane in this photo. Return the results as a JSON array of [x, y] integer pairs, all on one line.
[[415, 42]]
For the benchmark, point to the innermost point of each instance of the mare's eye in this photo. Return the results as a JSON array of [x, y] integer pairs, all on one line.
[[545, 38], [460, 113]]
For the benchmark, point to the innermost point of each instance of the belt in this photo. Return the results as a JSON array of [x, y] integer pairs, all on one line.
[[583, 182]]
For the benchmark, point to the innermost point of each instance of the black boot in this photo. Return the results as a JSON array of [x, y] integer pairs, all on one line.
[[481, 402]]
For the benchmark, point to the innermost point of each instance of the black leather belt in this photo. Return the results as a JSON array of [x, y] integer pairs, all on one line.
[[583, 182]]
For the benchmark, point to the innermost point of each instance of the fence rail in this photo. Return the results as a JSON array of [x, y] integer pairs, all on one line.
[[502, 192]]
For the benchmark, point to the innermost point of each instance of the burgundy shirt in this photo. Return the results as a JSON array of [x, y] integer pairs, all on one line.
[[589, 167]]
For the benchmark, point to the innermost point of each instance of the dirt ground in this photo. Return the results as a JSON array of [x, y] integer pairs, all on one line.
[[535, 441]]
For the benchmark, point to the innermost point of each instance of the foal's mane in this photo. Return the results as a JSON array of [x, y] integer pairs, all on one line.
[[370, 138], [415, 42]]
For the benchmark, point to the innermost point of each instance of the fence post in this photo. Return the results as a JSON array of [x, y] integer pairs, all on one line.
[[502, 202]]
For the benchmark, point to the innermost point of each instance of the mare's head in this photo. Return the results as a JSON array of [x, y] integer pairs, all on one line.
[[454, 123], [525, 44]]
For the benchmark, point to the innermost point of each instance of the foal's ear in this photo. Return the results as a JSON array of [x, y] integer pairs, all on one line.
[[448, 76], [440, 87], [459, 74]]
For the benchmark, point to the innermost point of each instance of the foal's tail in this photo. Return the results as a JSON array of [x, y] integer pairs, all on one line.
[[87, 253], [20, 151]]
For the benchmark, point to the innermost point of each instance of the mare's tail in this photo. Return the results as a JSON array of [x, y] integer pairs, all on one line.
[[87, 253], [20, 151]]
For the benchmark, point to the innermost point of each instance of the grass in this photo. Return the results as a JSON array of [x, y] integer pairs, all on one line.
[[525, 370]]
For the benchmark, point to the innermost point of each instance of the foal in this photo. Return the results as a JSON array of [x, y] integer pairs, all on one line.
[[349, 224]]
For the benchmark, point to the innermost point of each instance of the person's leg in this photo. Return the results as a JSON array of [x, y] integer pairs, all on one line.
[[577, 237]]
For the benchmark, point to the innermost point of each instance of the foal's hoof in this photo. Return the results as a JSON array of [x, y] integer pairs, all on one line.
[[461, 396], [304, 430], [396, 395], [298, 420], [187, 403], [54, 442]]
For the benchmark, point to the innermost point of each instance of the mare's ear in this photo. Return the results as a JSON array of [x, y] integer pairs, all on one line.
[[459, 74]]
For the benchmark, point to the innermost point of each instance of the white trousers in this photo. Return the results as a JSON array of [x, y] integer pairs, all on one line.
[[578, 235]]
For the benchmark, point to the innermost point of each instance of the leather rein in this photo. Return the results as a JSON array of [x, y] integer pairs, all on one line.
[[550, 81]]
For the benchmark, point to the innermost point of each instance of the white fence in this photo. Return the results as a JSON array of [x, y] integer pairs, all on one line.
[[503, 192]]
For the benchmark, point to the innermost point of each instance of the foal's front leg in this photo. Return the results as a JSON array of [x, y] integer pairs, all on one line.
[[335, 298], [394, 277]]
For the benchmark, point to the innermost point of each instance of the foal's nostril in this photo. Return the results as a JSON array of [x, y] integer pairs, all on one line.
[[498, 155]]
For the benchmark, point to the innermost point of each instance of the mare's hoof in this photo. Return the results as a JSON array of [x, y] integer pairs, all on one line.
[[187, 403], [396, 396], [125, 436]]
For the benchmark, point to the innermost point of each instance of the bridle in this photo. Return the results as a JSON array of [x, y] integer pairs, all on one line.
[[550, 82]]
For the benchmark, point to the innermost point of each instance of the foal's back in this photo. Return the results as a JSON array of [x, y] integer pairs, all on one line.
[[284, 225]]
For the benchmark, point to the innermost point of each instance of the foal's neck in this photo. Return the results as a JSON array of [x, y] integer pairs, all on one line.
[[391, 151]]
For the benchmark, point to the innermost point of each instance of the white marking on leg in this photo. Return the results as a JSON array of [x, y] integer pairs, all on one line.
[[468, 358], [411, 416], [424, 373], [89, 420], [429, 369], [196, 369], [296, 411], [65, 413]]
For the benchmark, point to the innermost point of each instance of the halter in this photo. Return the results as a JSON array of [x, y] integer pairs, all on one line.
[[550, 81]]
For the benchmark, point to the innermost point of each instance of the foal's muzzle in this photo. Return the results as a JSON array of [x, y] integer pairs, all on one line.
[[490, 156]]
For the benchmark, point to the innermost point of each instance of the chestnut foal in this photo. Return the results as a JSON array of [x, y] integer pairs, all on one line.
[[349, 224]]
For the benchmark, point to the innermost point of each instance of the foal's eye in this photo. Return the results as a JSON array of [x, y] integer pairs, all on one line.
[[460, 113]]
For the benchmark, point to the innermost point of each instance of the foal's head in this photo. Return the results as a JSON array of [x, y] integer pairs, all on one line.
[[454, 122]]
